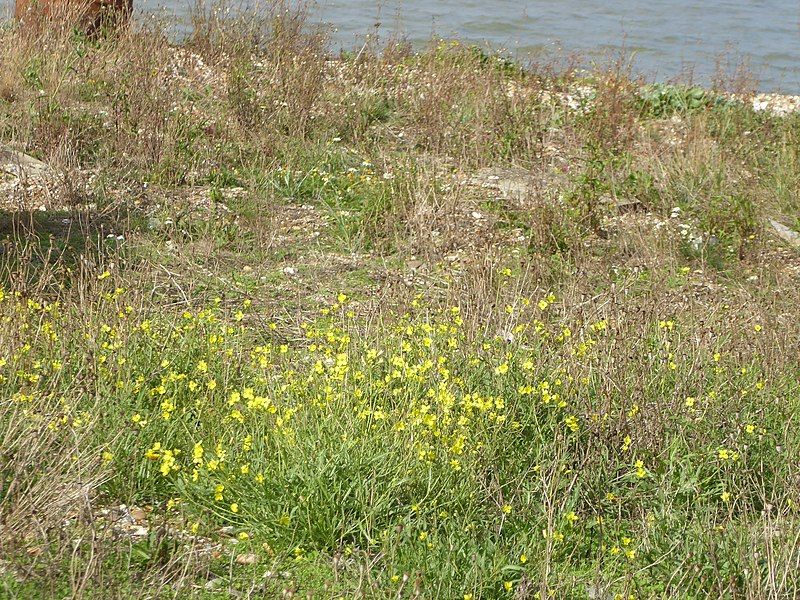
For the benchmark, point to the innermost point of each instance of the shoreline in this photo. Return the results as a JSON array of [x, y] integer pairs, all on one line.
[[554, 50]]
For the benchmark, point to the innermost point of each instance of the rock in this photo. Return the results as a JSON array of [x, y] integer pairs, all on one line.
[[139, 531], [27, 165], [277, 574], [629, 205], [214, 584], [790, 236], [246, 559], [137, 514], [512, 183]]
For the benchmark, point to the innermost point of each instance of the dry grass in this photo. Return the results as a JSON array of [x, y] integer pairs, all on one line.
[[250, 175]]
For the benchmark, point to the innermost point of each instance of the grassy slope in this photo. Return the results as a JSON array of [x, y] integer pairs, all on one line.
[[403, 325]]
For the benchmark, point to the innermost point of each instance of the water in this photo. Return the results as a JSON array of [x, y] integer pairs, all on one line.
[[667, 39]]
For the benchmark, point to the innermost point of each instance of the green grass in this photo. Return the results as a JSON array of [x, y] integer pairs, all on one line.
[[428, 453], [317, 345]]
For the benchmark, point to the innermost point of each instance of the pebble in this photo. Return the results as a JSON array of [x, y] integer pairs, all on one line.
[[778, 105], [246, 559], [137, 514], [214, 584]]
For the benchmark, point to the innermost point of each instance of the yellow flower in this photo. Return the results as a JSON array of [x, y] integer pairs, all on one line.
[[104, 275], [154, 452], [107, 456], [523, 559], [197, 453], [168, 462], [725, 496], [507, 509], [244, 536], [508, 586], [234, 508]]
